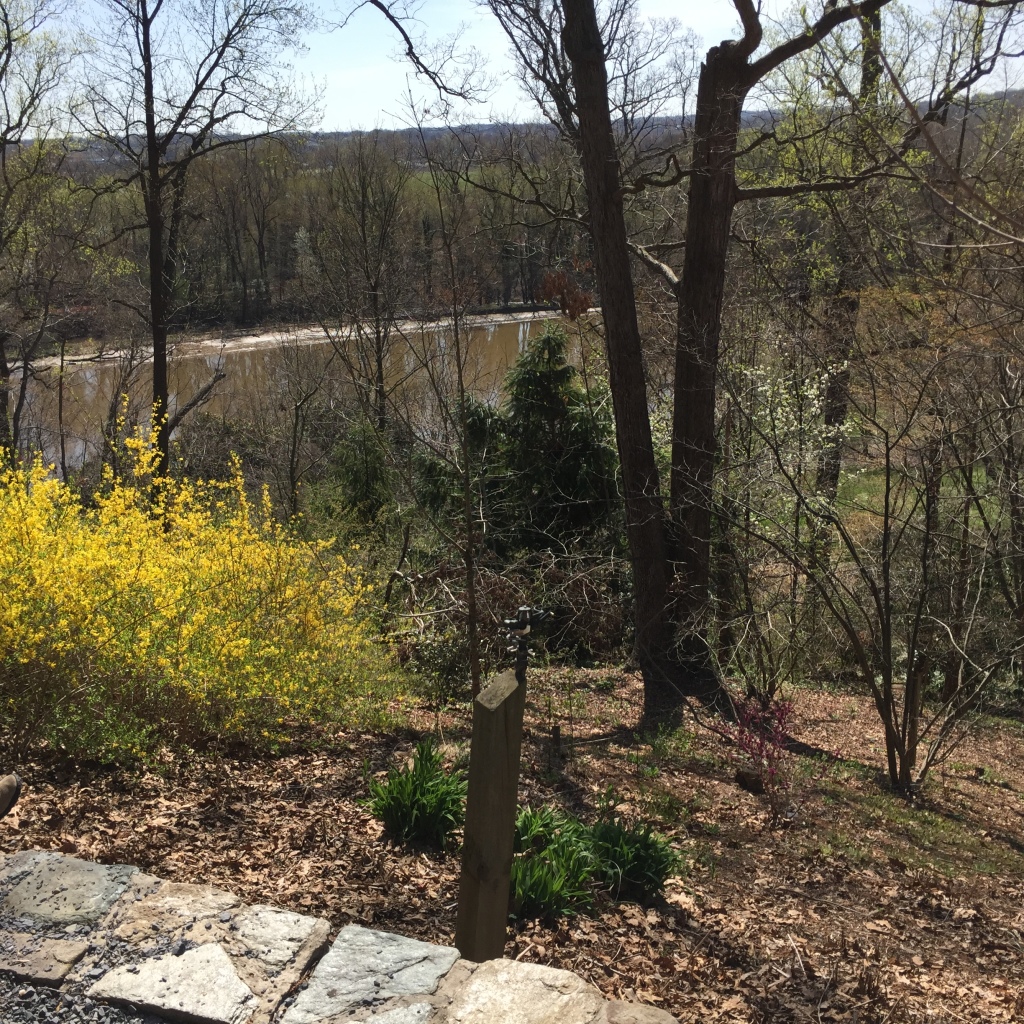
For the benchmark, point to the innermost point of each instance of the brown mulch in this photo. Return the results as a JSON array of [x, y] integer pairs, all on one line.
[[863, 910]]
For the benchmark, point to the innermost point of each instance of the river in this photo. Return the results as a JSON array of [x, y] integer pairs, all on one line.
[[256, 370]]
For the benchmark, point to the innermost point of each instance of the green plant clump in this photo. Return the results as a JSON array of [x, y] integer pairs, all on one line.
[[635, 862], [553, 869], [420, 802], [560, 862]]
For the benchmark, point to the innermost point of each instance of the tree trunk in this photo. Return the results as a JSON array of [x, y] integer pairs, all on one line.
[[842, 307], [645, 513], [6, 438], [712, 197], [468, 498], [152, 187]]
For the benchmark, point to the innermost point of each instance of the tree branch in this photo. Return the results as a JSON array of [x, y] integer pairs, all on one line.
[[653, 263], [813, 35], [199, 398], [414, 58]]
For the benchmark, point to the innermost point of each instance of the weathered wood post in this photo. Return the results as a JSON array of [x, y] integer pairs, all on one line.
[[490, 819], [491, 804]]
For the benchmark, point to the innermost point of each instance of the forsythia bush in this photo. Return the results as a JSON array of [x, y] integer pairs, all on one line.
[[167, 614]]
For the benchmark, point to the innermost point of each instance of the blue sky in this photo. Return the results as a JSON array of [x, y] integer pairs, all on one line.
[[366, 81]]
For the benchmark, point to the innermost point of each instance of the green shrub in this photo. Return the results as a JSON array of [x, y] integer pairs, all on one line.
[[420, 802], [553, 870], [633, 861]]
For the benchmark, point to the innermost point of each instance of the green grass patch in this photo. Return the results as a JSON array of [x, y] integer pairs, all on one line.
[[883, 825]]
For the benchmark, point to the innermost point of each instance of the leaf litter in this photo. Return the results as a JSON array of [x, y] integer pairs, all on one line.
[[863, 910]]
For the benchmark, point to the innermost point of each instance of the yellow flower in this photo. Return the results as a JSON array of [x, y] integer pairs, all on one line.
[[176, 612]]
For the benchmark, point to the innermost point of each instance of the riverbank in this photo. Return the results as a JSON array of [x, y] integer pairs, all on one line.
[[259, 376]]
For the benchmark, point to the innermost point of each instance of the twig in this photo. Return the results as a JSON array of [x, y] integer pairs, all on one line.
[[799, 959]]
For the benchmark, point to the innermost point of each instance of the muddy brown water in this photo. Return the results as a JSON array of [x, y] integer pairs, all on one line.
[[263, 374]]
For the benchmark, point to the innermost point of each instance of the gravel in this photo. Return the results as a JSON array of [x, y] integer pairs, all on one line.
[[21, 1003]]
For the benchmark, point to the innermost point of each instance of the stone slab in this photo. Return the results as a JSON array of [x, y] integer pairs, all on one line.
[[274, 936], [196, 954], [63, 890], [273, 983], [412, 1013], [365, 967], [518, 993], [43, 961], [198, 987], [18, 864], [169, 908], [270, 949]]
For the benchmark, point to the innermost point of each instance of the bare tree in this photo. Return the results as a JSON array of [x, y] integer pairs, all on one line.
[[571, 51], [168, 82], [357, 248], [244, 190], [913, 577], [33, 61]]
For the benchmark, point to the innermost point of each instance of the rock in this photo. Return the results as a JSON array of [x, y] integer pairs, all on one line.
[[412, 1013], [272, 981], [62, 890], [169, 909], [18, 863], [197, 955], [275, 936], [41, 960], [344, 978], [518, 993], [633, 1013], [198, 987]]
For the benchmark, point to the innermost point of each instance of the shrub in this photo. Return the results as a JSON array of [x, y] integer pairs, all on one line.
[[144, 616], [553, 869], [634, 861], [420, 802], [556, 441], [761, 735]]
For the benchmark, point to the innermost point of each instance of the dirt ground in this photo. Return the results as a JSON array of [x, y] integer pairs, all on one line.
[[862, 910]]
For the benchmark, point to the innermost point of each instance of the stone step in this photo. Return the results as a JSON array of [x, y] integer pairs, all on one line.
[[198, 955]]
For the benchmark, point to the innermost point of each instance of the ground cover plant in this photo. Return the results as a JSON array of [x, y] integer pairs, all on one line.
[[419, 801], [561, 864], [865, 907], [554, 865], [148, 614], [634, 861]]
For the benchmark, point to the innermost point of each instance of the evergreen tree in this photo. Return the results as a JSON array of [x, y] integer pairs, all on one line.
[[557, 449]]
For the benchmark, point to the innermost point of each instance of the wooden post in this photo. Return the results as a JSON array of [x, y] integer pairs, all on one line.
[[491, 804]]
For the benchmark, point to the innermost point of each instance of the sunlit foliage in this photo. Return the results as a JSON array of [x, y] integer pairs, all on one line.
[[172, 612]]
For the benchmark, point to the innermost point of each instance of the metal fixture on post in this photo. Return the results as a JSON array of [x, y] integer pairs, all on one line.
[[520, 629]]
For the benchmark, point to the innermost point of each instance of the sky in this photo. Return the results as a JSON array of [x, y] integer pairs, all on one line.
[[366, 81]]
